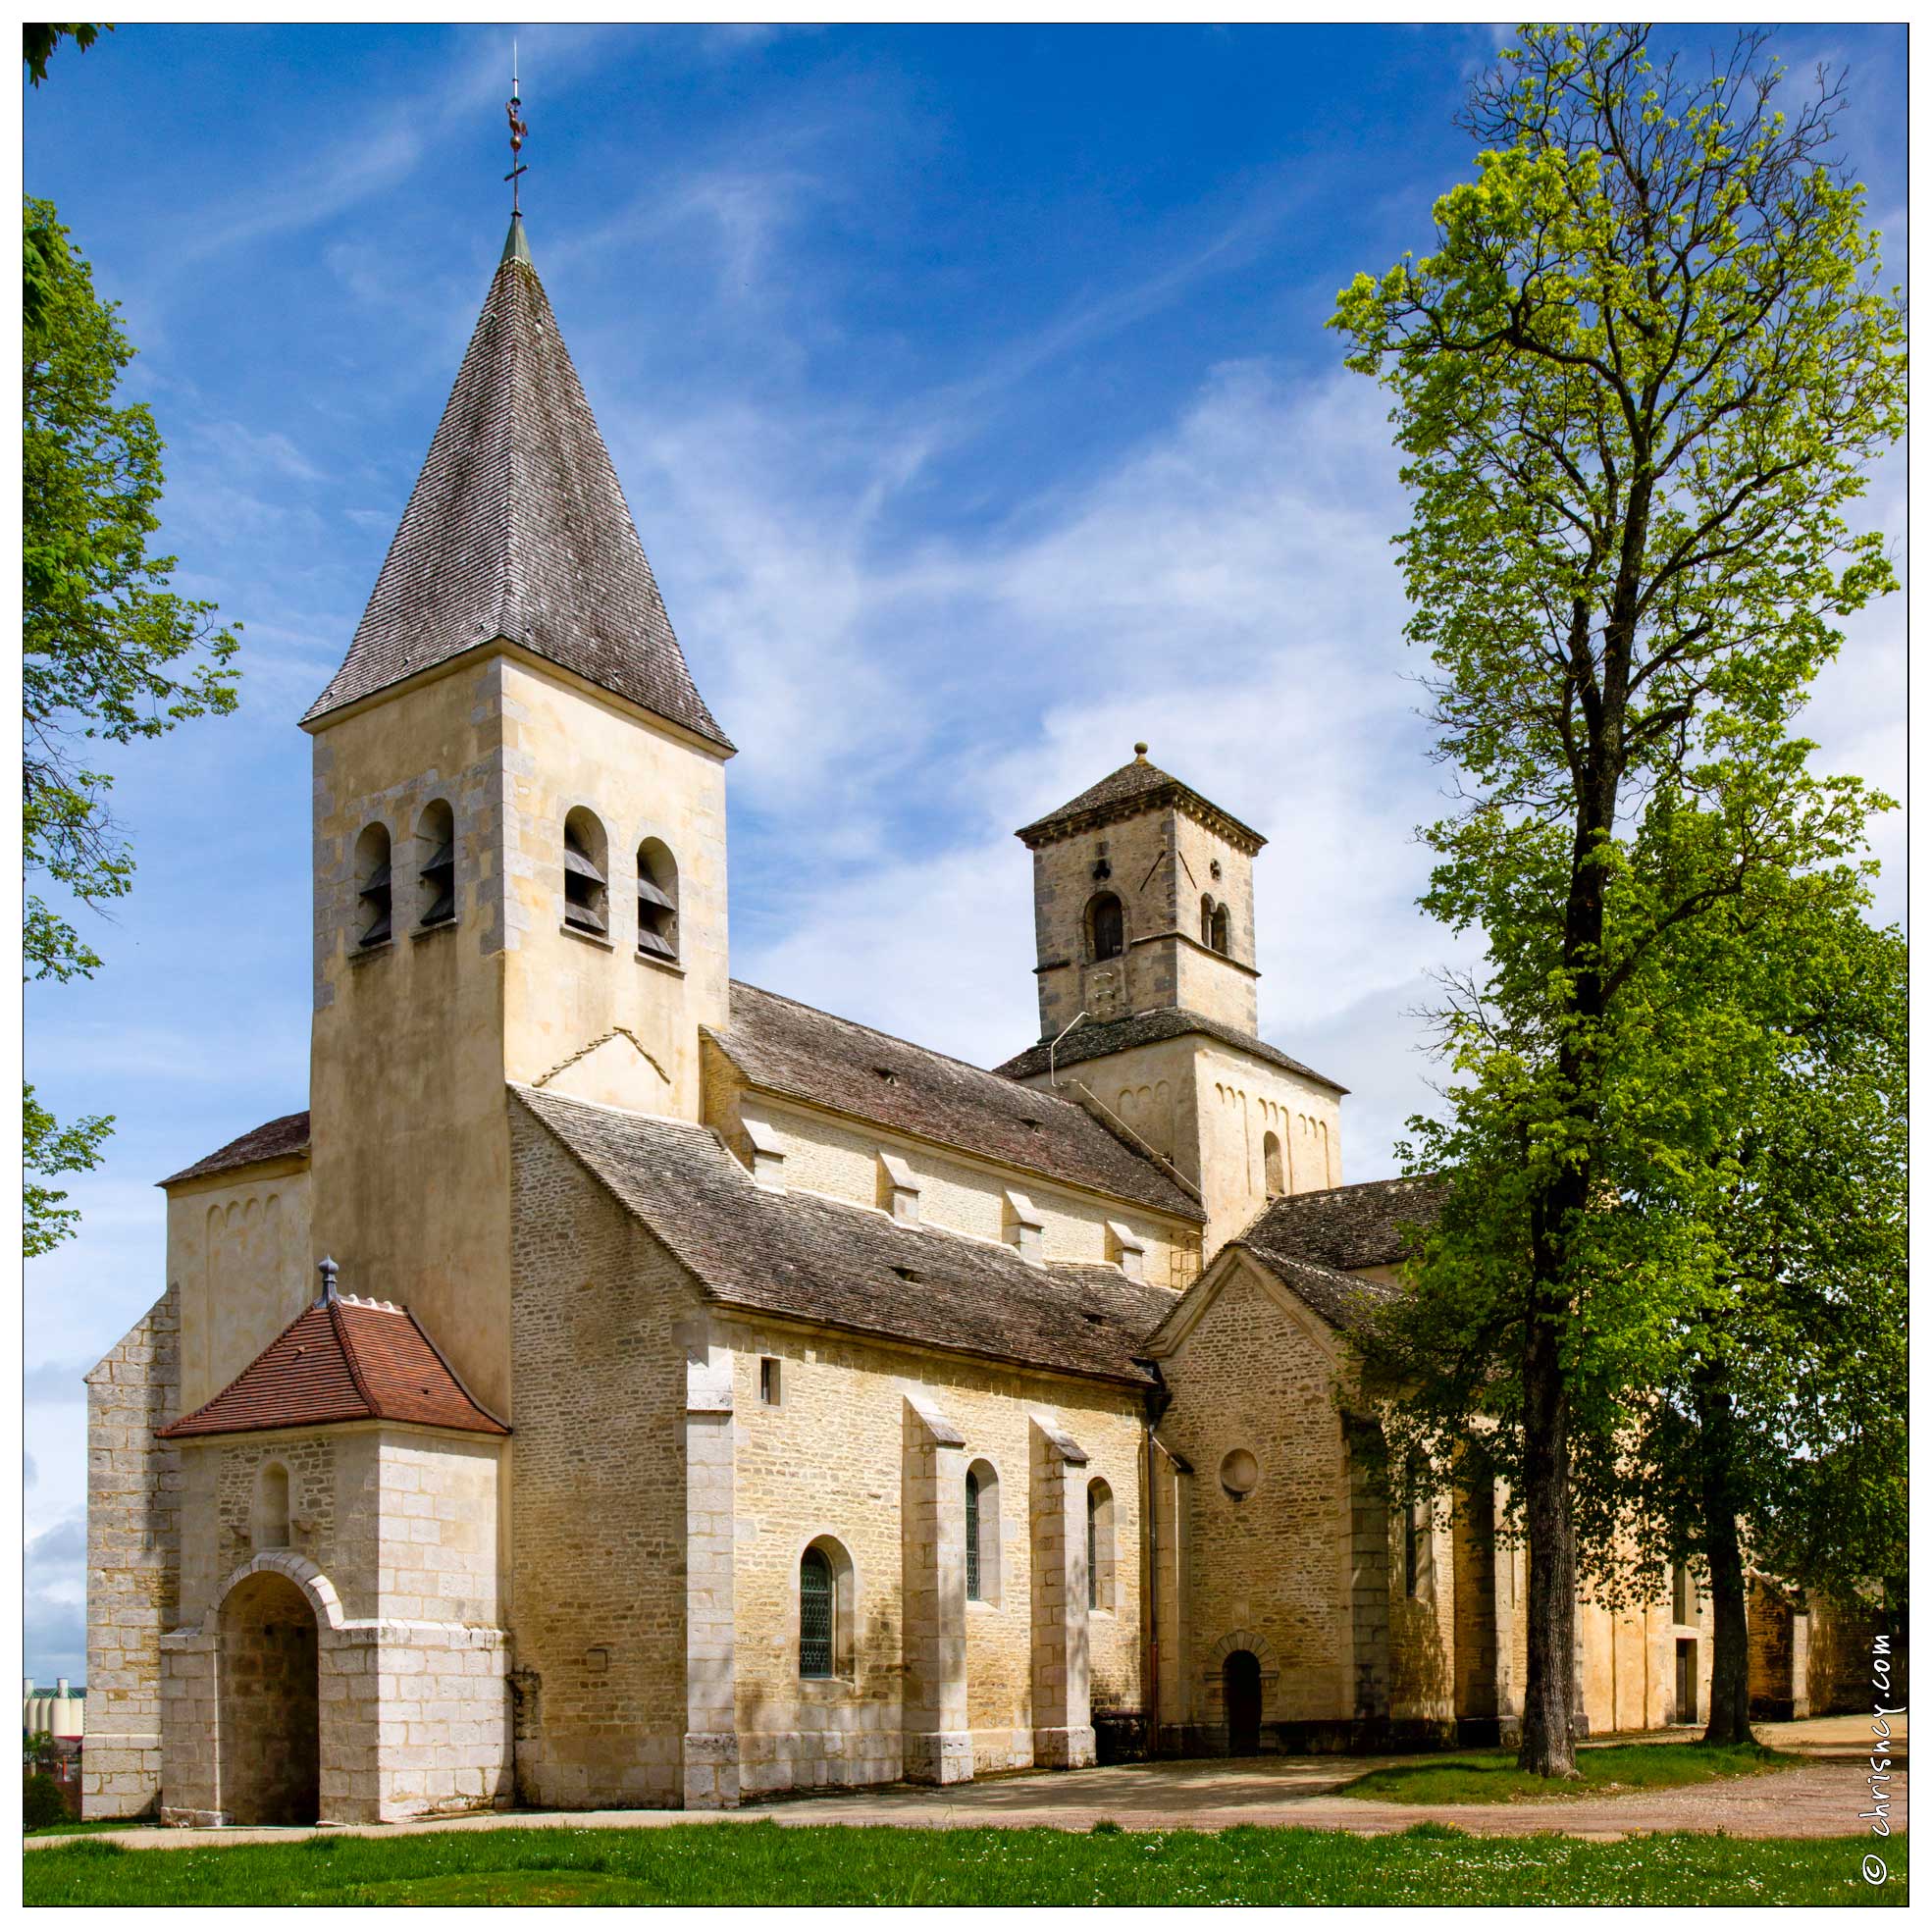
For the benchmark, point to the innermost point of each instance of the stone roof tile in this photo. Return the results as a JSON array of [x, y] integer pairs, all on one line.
[[1096, 1038], [797, 1050], [1347, 1227], [518, 528], [278, 1139], [835, 1264], [1126, 793]]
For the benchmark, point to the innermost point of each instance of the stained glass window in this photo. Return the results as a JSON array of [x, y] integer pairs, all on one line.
[[815, 1614]]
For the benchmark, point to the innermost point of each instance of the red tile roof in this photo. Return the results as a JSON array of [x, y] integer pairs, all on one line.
[[345, 1360]]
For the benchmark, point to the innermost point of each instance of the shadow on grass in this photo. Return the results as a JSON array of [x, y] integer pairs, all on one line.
[[1611, 1769]]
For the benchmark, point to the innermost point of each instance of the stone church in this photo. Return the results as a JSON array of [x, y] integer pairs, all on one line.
[[624, 1385]]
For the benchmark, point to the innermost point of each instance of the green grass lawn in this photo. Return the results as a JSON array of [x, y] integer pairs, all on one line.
[[1608, 1769], [764, 1863]]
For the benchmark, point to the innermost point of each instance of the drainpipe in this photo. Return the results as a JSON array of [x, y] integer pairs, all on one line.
[[1159, 1398]]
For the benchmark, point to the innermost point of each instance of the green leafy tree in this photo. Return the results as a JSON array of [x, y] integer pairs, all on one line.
[[111, 653], [40, 41], [1774, 1035], [1637, 382]]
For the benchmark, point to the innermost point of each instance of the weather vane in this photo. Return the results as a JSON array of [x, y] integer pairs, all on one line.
[[518, 169]]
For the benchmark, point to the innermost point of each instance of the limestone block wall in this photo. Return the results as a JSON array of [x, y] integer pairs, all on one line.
[[597, 1482], [1159, 865], [825, 1462], [354, 1719], [1253, 1378], [1839, 1657], [239, 1249], [1422, 1620], [133, 1560], [826, 1154]]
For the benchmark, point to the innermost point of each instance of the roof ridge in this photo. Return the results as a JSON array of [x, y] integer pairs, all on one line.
[[893, 1038], [338, 1328], [462, 1386]]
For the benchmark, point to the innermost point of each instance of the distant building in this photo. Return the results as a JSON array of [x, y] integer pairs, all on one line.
[[60, 1711]]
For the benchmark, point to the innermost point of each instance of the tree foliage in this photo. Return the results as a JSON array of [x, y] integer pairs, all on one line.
[[1636, 383], [111, 653], [39, 42]]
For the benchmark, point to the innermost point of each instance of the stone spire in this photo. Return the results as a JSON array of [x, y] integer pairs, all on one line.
[[518, 529]]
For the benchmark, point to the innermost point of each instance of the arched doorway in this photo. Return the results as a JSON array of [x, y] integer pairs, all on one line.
[[1241, 1685], [271, 1756]]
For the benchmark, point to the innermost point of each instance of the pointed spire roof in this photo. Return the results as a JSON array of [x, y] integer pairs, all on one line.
[[1128, 792], [518, 528]]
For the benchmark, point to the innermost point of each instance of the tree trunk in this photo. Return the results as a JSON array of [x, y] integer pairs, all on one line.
[[1548, 1747], [1730, 1670]]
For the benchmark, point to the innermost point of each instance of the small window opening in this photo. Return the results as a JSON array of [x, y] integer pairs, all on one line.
[[1107, 926], [272, 1507], [972, 1534], [1218, 936], [887, 1075], [585, 893], [769, 1381], [815, 1614], [1682, 1594], [657, 900], [1415, 1547], [1270, 1160], [372, 871], [1100, 1547], [1207, 918], [435, 845], [907, 1273]]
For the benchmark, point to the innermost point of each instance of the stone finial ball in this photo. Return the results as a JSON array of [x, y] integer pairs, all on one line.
[[1140, 749]]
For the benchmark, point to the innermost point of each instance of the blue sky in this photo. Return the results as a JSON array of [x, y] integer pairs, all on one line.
[[971, 393]]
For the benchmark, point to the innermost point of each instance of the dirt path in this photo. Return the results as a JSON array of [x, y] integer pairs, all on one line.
[[1822, 1798]]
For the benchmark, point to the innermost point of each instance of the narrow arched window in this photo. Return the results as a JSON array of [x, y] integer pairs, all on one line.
[[1107, 926], [372, 885], [585, 894], [657, 900], [972, 1534], [272, 1507], [814, 1614], [1207, 920], [436, 865], [1100, 1545], [1271, 1161], [1218, 937]]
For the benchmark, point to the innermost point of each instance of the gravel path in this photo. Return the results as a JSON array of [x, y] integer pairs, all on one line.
[[1821, 1798]]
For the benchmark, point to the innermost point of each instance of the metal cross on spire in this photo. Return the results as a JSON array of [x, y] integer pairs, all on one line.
[[517, 132]]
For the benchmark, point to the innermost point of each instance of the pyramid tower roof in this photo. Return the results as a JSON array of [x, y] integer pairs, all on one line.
[[518, 528]]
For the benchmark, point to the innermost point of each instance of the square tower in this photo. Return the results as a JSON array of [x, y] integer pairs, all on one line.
[[1143, 900], [1143, 911], [519, 827]]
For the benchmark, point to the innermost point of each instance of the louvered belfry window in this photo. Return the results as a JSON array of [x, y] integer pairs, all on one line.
[[372, 853], [583, 879], [815, 1614], [973, 1535]]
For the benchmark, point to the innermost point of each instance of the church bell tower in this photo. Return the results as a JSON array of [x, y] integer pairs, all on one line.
[[519, 837], [1143, 913]]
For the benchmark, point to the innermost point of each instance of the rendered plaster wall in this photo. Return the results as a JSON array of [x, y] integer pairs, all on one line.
[[414, 1039], [239, 1249], [840, 1158]]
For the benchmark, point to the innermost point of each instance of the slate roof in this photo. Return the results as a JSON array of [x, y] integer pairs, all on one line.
[[1125, 792], [518, 528], [276, 1140], [807, 1054], [1345, 1301], [1346, 1226], [345, 1360], [1096, 1038], [839, 1266]]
